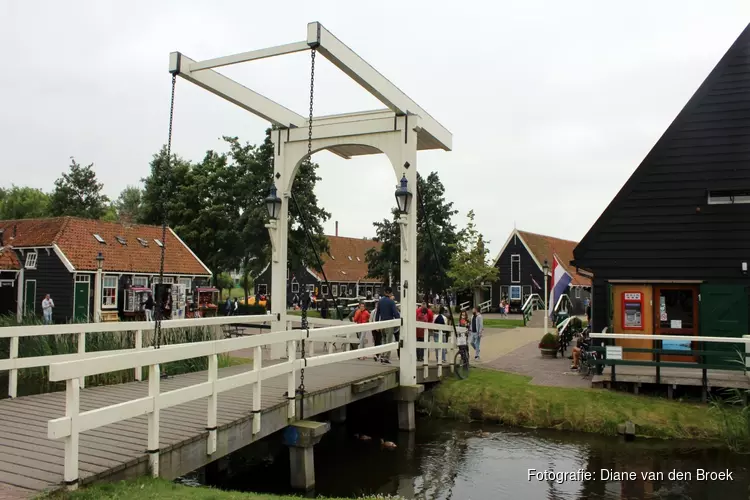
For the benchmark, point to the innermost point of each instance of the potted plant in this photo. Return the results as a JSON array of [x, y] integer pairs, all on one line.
[[549, 345]]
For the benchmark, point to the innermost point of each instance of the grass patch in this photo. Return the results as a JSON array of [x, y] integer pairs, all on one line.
[[147, 488], [502, 323], [510, 399]]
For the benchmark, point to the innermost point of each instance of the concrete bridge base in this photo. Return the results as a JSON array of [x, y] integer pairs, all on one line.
[[406, 395], [301, 437]]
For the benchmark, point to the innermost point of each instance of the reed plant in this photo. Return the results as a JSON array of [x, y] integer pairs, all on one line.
[[36, 380]]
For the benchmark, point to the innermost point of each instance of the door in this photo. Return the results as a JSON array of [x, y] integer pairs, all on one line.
[[81, 302], [676, 313], [29, 298], [724, 313]]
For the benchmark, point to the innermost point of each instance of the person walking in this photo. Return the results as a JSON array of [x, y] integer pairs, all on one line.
[[463, 319], [386, 311], [440, 335], [236, 307], [47, 305], [425, 315], [360, 317], [148, 307], [476, 329], [228, 307]]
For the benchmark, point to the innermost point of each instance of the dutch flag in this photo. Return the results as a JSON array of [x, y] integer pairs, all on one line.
[[560, 281]]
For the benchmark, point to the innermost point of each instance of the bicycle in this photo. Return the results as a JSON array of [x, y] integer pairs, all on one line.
[[461, 360]]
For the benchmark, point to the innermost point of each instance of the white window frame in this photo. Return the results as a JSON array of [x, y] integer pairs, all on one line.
[[30, 263], [577, 292], [335, 290], [310, 288], [729, 197], [168, 280], [515, 259], [83, 278], [295, 286], [99, 239], [505, 292], [263, 290], [141, 281], [324, 289], [520, 292], [343, 290], [105, 287], [188, 282]]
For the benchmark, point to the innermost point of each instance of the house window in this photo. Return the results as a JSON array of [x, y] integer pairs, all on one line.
[[343, 290], [515, 268], [99, 239], [310, 288], [143, 242], [295, 287], [31, 260], [121, 240], [515, 293], [350, 257], [141, 281], [335, 290], [262, 288], [168, 280], [728, 196], [83, 278], [578, 292], [504, 292], [158, 242], [109, 291], [324, 289], [188, 282]]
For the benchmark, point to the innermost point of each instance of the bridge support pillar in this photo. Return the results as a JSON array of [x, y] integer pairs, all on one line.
[[301, 437], [338, 416], [406, 395]]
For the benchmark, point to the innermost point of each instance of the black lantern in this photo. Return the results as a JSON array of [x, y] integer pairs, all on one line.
[[273, 204], [99, 261], [403, 196], [545, 267]]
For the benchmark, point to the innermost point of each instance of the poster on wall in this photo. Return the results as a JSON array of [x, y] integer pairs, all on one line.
[[676, 345], [676, 324], [663, 316]]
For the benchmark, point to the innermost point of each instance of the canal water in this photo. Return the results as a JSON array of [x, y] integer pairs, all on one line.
[[444, 459]]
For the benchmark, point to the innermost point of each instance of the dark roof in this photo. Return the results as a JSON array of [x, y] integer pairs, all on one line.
[[346, 259], [663, 203], [75, 238], [545, 247]]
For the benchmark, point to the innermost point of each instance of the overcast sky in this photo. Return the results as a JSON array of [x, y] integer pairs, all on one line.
[[552, 105]]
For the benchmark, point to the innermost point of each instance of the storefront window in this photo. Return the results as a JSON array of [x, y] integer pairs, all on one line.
[[676, 308]]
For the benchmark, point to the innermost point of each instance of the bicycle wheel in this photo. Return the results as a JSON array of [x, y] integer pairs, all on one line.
[[461, 366]]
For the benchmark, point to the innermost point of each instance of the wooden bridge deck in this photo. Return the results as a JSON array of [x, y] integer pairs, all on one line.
[[30, 462]]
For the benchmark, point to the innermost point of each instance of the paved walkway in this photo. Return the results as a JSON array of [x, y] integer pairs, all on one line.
[[517, 351]]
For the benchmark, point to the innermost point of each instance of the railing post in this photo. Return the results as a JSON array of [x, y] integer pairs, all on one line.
[[82, 350], [747, 351], [72, 409], [291, 387], [154, 388], [257, 365], [213, 376], [138, 346], [452, 350], [426, 355], [13, 376]]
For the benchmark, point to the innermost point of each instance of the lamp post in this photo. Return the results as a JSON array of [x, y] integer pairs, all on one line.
[[98, 288], [273, 205], [403, 202], [545, 269]]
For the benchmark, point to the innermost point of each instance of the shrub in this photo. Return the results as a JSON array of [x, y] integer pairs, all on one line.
[[549, 341]]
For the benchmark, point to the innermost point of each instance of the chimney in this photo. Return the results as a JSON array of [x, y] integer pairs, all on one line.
[[337, 228]]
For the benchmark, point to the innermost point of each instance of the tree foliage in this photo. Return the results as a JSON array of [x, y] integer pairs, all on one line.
[[23, 203], [469, 266], [438, 212], [78, 193], [128, 204]]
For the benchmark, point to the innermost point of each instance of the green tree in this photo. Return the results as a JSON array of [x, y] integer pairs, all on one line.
[[78, 193], [110, 213], [23, 203], [129, 203], [223, 282], [469, 264], [439, 212]]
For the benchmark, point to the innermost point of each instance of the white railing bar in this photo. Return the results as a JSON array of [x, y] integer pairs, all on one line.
[[347, 355], [37, 361], [128, 326], [433, 345], [691, 338], [434, 326], [349, 328], [151, 356]]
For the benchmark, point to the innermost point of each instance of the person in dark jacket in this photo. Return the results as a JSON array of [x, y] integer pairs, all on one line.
[[387, 310]]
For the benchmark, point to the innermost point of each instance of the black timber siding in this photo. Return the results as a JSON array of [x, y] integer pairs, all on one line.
[[529, 271], [659, 226], [599, 306], [52, 277], [8, 294]]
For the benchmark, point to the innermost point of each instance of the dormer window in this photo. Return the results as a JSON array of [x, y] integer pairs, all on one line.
[[350, 257], [158, 242], [358, 260], [121, 240], [143, 242], [99, 239], [31, 260], [728, 196], [333, 258]]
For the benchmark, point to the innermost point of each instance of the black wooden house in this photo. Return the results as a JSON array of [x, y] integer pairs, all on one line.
[[58, 256], [670, 253]]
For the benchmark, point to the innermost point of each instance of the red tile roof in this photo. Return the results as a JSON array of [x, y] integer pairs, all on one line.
[[544, 247], [346, 261], [76, 240], [8, 260]]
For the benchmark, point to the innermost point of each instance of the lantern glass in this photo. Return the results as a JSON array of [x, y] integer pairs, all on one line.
[[273, 204], [99, 261], [403, 196]]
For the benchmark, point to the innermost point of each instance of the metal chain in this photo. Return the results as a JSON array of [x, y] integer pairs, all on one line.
[[163, 207], [305, 325]]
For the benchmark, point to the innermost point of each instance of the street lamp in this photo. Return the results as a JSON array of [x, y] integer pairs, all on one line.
[[403, 196], [273, 203], [98, 286], [545, 269]]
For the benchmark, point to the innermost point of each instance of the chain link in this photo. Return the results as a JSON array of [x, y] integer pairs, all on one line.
[[165, 179]]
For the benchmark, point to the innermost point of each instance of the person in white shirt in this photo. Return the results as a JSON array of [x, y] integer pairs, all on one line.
[[47, 306]]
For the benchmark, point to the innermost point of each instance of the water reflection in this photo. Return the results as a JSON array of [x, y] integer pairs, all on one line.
[[446, 460]]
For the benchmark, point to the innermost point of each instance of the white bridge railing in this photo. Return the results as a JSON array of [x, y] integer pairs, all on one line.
[[136, 328], [428, 344], [74, 422]]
